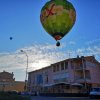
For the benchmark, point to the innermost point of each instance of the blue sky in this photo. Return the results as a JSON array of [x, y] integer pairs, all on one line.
[[20, 19]]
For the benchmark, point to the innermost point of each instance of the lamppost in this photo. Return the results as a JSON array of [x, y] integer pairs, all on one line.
[[25, 88]]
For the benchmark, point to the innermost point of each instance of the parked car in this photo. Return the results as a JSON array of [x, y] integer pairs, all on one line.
[[95, 93], [25, 93], [33, 93]]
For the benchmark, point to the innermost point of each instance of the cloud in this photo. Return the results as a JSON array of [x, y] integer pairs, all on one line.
[[41, 56], [72, 42], [90, 50], [38, 56], [93, 42]]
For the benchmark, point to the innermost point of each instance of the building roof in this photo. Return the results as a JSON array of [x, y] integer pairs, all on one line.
[[40, 69], [88, 58], [5, 72]]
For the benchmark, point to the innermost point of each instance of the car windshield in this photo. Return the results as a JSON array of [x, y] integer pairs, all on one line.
[[96, 89]]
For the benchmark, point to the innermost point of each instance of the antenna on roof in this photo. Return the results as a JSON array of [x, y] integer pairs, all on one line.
[[78, 56]]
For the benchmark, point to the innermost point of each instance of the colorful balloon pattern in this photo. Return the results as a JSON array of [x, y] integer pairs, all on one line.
[[58, 17]]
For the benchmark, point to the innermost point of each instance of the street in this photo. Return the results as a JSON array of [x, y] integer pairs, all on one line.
[[60, 98]]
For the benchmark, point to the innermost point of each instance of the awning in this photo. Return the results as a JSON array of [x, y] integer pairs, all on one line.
[[77, 84], [48, 85]]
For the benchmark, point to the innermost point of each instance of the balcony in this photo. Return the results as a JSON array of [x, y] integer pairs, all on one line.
[[81, 79], [79, 67]]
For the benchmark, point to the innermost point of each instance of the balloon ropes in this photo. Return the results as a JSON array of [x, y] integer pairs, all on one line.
[[57, 18]]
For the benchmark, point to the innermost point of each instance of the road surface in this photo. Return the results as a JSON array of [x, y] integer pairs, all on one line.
[[60, 98]]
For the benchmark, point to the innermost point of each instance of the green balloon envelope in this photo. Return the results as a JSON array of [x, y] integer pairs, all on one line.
[[58, 17]]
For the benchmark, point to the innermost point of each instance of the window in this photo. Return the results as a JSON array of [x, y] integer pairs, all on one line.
[[62, 66], [39, 79], [54, 68], [57, 67], [72, 65], [87, 74], [46, 79], [66, 65]]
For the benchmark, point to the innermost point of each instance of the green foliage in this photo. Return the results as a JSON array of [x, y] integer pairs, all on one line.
[[7, 96]]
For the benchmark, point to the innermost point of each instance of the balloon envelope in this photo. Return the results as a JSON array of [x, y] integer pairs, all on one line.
[[57, 18]]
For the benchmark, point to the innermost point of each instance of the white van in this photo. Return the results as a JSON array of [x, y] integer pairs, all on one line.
[[95, 92]]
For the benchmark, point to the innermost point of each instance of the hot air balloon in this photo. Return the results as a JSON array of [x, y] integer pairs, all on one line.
[[57, 18], [10, 38]]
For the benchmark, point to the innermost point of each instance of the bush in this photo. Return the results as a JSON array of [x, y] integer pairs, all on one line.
[[8, 96]]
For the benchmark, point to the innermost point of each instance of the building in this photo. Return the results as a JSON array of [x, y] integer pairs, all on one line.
[[72, 75], [8, 83]]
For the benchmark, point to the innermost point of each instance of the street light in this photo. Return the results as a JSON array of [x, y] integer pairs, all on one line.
[[25, 88]]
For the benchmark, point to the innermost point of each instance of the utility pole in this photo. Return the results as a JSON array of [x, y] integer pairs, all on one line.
[[25, 88], [84, 73]]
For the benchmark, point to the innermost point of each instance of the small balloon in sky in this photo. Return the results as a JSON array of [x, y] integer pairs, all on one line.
[[57, 18], [10, 38]]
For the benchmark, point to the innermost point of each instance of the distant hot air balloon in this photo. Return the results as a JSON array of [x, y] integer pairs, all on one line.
[[57, 18], [11, 38]]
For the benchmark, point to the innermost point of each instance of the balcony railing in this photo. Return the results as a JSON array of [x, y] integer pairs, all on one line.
[[79, 67], [82, 79]]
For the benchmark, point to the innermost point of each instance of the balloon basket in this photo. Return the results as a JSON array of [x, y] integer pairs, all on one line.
[[58, 44]]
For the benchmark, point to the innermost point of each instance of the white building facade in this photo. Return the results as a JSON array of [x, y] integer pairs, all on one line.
[[70, 75]]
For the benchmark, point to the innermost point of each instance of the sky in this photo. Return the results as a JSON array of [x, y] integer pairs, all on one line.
[[20, 19]]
